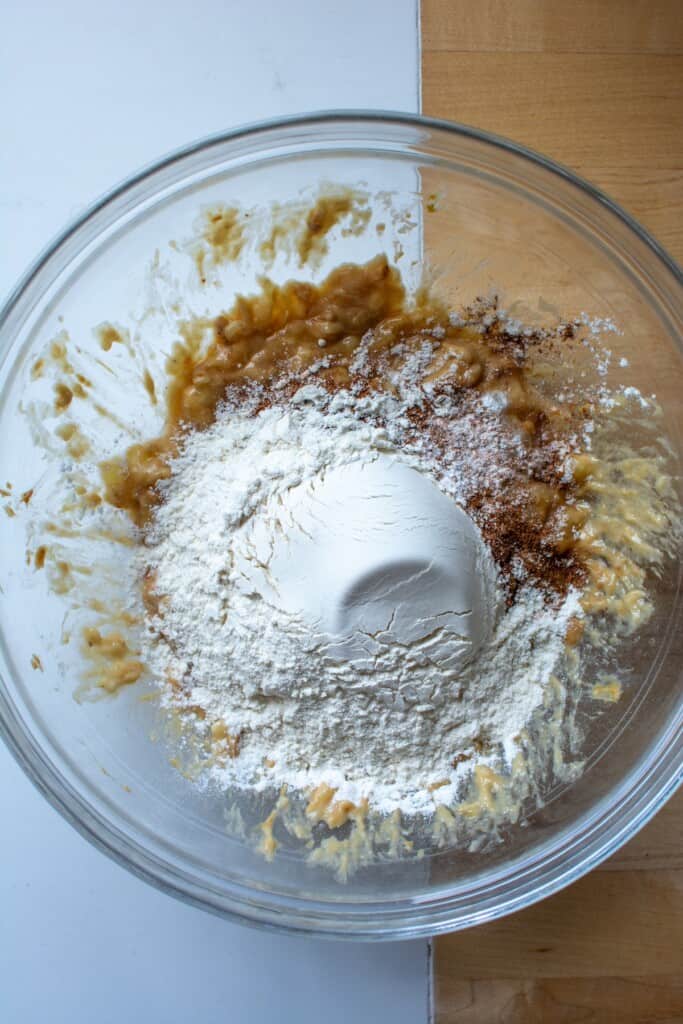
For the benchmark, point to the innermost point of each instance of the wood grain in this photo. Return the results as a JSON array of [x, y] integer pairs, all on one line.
[[553, 26], [615, 118], [598, 86], [608, 924], [634, 1000]]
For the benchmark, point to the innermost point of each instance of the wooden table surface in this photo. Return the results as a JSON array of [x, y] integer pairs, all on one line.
[[598, 85]]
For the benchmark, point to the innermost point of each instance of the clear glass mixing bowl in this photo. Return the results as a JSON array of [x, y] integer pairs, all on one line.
[[507, 220]]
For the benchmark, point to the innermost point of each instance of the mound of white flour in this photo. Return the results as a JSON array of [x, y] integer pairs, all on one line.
[[329, 603]]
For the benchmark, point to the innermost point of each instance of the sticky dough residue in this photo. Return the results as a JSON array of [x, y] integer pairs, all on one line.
[[298, 231]]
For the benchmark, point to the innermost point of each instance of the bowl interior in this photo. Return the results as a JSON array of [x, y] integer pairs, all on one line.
[[485, 218]]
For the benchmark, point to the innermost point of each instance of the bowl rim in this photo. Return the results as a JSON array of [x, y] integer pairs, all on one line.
[[325, 117], [605, 831]]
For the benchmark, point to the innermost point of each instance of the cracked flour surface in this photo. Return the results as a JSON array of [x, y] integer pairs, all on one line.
[[329, 602]]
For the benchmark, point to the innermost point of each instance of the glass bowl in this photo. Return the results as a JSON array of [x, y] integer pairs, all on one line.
[[507, 220]]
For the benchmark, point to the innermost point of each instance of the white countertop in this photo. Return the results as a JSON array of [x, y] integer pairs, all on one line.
[[90, 93]]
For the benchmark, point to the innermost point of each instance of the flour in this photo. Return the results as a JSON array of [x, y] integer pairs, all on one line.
[[376, 655]]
